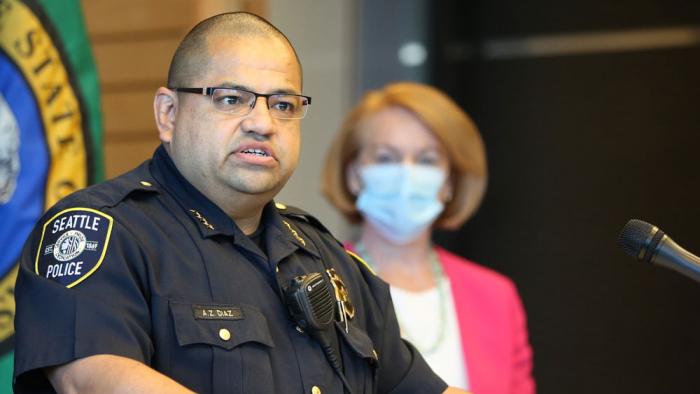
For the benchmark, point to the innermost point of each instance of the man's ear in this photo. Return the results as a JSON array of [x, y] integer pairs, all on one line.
[[165, 108]]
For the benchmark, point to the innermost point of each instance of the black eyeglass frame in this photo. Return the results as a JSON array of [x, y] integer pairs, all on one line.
[[209, 91]]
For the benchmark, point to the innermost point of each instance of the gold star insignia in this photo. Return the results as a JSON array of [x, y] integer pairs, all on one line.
[[202, 219], [294, 233]]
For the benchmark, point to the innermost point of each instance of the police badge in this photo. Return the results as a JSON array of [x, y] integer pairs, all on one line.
[[73, 245]]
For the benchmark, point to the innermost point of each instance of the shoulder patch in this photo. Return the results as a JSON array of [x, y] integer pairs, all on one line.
[[73, 244], [359, 259]]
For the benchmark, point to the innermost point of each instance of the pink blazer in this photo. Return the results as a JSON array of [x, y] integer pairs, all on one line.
[[493, 328], [492, 325]]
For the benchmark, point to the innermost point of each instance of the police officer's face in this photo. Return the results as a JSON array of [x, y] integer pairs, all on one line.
[[253, 154]]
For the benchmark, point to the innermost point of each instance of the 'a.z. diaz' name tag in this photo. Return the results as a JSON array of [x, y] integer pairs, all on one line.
[[209, 312], [73, 245]]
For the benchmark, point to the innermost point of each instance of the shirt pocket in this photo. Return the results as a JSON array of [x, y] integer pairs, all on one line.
[[363, 369], [240, 342]]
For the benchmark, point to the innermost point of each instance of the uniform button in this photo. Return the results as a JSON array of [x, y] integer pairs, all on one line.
[[144, 183], [224, 334], [315, 390], [277, 269]]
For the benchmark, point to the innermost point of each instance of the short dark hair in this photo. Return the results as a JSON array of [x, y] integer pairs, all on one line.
[[190, 56]]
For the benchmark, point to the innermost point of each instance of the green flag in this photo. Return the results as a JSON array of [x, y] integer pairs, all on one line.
[[50, 130]]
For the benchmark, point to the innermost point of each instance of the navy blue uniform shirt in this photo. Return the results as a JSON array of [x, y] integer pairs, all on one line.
[[144, 266]]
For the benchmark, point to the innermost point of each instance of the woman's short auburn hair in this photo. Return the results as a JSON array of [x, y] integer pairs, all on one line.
[[452, 127]]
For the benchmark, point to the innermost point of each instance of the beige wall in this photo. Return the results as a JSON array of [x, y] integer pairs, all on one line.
[[133, 42], [323, 35]]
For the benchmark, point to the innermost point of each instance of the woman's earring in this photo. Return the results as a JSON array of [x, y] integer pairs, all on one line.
[[356, 188], [353, 180], [448, 195]]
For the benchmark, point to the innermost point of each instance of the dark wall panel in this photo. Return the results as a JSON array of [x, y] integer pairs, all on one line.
[[516, 17], [577, 146]]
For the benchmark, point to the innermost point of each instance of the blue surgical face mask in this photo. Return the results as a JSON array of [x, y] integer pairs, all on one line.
[[400, 201]]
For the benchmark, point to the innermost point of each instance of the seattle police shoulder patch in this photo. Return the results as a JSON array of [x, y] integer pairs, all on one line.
[[73, 245]]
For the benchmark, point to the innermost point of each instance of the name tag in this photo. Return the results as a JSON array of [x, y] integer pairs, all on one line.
[[211, 312]]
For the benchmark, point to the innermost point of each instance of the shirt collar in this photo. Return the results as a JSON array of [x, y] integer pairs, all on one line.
[[285, 229], [211, 219]]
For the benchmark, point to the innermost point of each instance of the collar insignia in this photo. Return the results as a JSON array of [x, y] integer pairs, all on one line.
[[294, 233], [202, 219]]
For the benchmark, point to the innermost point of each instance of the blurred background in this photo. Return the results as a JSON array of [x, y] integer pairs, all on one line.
[[588, 112]]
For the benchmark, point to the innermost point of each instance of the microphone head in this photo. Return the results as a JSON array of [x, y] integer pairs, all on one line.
[[636, 237]]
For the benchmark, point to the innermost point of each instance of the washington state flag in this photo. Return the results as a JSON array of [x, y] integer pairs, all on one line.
[[50, 130]]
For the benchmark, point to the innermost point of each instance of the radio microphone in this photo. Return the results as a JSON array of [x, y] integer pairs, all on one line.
[[649, 244]]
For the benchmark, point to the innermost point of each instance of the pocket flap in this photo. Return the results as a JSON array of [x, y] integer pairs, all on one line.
[[225, 326], [358, 340]]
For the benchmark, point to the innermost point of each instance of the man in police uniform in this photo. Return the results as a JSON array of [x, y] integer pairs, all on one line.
[[174, 277]]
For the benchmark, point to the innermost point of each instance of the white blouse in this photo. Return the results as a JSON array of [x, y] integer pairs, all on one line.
[[419, 315]]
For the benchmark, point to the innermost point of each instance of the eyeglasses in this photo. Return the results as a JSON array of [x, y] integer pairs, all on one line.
[[239, 102]]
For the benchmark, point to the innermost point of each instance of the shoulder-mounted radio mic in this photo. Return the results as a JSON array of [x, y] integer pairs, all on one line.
[[311, 303]]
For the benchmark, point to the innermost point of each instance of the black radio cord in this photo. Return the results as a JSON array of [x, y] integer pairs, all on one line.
[[332, 356]]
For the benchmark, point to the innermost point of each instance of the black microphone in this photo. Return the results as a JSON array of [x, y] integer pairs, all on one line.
[[649, 244]]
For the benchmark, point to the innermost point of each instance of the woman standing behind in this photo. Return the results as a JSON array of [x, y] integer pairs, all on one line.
[[408, 160]]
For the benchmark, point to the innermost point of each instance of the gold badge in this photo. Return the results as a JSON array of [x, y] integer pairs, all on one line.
[[345, 308]]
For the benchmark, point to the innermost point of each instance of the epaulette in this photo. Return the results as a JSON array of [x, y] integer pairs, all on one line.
[[299, 214], [360, 260], [113, 191]]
